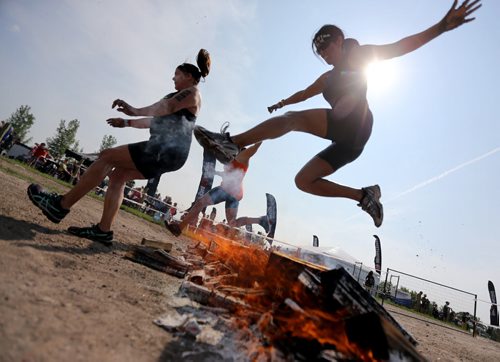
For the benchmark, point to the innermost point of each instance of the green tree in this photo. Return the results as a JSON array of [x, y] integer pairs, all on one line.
[[22, 120], [108, 141], [65, 138]]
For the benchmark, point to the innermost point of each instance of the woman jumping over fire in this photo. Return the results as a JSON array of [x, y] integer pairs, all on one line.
[[348, 123]]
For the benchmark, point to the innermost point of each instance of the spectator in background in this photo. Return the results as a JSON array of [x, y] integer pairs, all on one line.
[[418, 300], [446, 311], [38, 154], [63, 172], [369, 282], [172, 210], [425, 304]]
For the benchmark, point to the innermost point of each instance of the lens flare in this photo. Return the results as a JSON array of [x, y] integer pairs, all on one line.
[[381, 75]]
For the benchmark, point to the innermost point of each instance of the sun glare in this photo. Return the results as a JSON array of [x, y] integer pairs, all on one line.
[[381, 75]]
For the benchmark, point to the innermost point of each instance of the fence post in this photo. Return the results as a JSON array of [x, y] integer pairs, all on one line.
[[385, 286], [474, 324]]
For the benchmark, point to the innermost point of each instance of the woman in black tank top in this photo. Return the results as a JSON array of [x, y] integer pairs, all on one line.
[[171, 122], [348, 123]]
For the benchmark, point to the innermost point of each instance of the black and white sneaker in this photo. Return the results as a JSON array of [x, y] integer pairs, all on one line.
[[173, 227], [220, 144], [49, 203], [93, 233], [371, 203]]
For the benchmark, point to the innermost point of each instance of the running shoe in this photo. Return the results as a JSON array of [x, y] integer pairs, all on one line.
[[93, 233], [371, 203], [49, 203], [220, 144], [174, 228]]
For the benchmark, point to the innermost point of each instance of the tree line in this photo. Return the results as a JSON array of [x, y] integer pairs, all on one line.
[[64, 138]]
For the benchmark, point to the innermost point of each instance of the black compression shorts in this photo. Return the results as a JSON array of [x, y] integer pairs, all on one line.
[[348, 135]]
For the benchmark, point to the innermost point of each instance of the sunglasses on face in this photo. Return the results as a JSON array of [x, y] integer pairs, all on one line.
[[322, 42]]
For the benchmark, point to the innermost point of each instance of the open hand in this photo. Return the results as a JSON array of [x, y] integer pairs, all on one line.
[[124, 107], [458, 16], [116, 122]]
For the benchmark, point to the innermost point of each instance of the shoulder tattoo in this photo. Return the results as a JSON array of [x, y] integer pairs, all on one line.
[[182, 94]]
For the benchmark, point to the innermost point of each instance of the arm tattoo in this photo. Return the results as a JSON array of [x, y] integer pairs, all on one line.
[[183, 94]]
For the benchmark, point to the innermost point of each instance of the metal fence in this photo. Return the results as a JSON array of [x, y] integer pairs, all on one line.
[[430, 299]]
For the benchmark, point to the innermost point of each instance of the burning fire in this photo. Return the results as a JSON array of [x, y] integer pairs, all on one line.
[[283, 310]]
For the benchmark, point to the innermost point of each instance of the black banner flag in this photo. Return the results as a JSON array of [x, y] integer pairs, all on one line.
[[378, 255], [494, 308], [272, 215]]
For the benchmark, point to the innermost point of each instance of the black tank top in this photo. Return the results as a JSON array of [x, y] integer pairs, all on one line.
[[344, 81]]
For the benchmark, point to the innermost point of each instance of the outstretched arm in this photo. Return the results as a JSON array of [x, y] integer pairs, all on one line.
[[188, 98], [135, 123], [454, 18], [300, 96]]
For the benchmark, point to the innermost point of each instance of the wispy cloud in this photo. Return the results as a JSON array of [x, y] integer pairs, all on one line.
[[444, 174], [434, 179]]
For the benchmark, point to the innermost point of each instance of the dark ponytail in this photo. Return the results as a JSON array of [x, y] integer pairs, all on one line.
[[203, 68], [203, 61]]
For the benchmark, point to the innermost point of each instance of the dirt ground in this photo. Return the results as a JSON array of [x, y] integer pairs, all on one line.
[[64, 298]]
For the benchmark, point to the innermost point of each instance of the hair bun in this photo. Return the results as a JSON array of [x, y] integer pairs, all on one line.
[[203, 61]]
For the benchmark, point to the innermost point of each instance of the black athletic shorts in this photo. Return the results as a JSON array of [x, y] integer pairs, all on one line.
[[153, 159], [348, 135]]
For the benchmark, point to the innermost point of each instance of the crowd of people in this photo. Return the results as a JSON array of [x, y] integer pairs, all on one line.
[[422, 304]]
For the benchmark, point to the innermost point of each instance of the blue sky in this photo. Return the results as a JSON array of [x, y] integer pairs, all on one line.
[[435, 147]]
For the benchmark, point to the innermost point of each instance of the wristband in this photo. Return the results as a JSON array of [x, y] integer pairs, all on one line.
[[281, 103], [126, 123]]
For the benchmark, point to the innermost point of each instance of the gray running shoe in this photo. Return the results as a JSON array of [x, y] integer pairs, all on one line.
[[372, 205], [219, 143], [174, 228], [93, 233], [49, 203]]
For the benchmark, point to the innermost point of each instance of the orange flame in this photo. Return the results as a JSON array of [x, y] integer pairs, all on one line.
[[251, 263]]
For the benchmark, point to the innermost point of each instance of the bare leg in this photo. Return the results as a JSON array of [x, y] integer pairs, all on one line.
[[311, 179], [108, 159], [242, 221], [195, 210], [231, 215], [114, 195], [311, 121]]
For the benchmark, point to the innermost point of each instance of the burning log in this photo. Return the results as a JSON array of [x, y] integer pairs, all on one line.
[[222, 280], [212, 297], [375, 333], [327, 310], [199, 249], [305, 311], [157, 244], [197, 276], [158, 259]]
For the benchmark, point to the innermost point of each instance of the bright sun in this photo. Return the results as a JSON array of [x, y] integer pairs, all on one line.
[[381, 75]]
